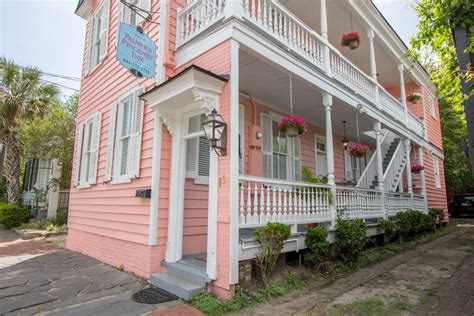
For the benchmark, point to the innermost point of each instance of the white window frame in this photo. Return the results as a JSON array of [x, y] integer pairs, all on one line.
[[118, 138], [322, 139], [437, 175], [98, 37], [88, 127], [197, 178], [241, 138], [432, 106], [139, 20]]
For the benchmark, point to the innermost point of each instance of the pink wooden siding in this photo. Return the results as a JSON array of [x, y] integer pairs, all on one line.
[[436, 196], [196, 198]]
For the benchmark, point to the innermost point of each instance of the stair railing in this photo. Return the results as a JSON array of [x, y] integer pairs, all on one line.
[[370, 171], [394, 168]]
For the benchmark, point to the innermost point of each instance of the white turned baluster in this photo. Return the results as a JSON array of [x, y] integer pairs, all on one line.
[[297, 214], [268, 215], [253, 9], [259, 11], [285, 205], [242, 215], [255, 204], [317, 202], [262, 204], [274, 204], [246, 7], [290, 204], [265, 14], [280, 206], [249, 204], [313, 202]]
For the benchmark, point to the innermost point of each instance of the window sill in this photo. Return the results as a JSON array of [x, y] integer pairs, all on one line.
[[96, 67], [83, 186], [121, 181], [201, 180]]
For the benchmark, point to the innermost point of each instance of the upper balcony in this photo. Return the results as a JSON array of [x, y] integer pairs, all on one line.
[[296, 27]]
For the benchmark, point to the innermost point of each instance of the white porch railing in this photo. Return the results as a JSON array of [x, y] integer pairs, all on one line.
[[391, 105], [359, 203], [265, 200], [397, 202], [196, 18], [419, 202]]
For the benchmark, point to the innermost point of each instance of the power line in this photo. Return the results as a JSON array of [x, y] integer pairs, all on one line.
[[61, 76], [60, 85]]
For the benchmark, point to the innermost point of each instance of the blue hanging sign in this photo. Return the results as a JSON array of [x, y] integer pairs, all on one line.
[[136, 51]]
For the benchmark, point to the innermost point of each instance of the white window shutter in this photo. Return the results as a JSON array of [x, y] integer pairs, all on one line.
[[90, 24], [192, 148], [296, 158], [267, 145], [136, 136], [77, 166], [111, 142], [95, 142], [348, 165], [204, 156], [104, 31]]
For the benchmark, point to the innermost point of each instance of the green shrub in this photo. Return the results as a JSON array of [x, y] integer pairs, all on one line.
[[318, 246], [417, 221], [427, 221], [12, 215], [403, 225], [271, 238], [390, 229], [351, 237], [437, 213], [61, 218]]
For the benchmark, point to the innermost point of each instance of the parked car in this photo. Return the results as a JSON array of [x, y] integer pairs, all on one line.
[[462, 204]]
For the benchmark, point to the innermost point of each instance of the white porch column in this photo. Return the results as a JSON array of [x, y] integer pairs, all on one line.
[[233, 8], [53, 192], [373, 64], [327, 102], [422, 175], [378, 137], [406, 143], [324, 32], [402, 89]]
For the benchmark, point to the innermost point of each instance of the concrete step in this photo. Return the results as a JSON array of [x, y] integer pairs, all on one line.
[[188, 271], [179, 286]]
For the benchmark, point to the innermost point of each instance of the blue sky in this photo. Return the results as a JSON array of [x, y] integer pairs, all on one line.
[[51, 37]]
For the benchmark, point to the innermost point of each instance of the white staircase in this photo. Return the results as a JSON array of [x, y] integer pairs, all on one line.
[[394, 170]]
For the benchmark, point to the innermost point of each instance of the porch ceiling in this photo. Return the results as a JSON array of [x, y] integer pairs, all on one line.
[[269, 85], [339, 23]]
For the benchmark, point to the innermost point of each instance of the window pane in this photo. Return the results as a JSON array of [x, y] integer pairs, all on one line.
[[125, 152], [127, 117]]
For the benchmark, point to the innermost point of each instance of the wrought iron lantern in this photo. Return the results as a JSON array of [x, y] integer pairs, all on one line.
[[215, 129], [344, 141]]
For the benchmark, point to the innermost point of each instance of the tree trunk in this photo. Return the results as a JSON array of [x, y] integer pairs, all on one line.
[[12, 168]]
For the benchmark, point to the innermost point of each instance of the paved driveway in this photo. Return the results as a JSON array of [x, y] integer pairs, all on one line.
[[55, 281]]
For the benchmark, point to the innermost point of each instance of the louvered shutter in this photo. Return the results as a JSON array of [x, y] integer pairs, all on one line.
[[267, 145], [95, 142], [104, 29], [296, 158], [136, 135], [77, 166], [111, 142], [204, 156], [90, 24], [192, 148], [348, 165]]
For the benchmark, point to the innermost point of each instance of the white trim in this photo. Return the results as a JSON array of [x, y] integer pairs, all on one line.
[[155, 180], [436, 172], [161, 59], [234, 163], [320, 138]]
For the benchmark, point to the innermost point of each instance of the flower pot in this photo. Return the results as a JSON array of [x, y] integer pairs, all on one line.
[[292, 131], [354, 44], [416, 172], [414, 101]]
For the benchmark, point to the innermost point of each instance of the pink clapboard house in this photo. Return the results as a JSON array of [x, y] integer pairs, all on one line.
[[151, 192]]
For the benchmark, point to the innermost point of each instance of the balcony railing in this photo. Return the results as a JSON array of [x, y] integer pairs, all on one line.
[[280, 24], [359, 203]]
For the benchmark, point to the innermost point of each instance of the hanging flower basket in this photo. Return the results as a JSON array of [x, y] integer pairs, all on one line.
[[417, 168], [292, 125], [414, 98], [351, 40], [358, 150]]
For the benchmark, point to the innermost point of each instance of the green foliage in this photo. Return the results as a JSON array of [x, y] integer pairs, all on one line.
[[436, 213], [58, 224], [61, 218], [318, 246], [351, 237], [12, 215], [434, 45], [389, 227], [271, 238], [412, 222], [3, 190], [308, 176], [52, 228], [210, 305]]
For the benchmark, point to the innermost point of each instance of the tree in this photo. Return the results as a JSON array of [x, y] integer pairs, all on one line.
[[24, 97], [435, 46], [51, 136], [438, 40]]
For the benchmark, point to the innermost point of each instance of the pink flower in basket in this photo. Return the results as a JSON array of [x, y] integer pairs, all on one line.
[[358, 150], [417, 168], [351, 39], [289, 122]]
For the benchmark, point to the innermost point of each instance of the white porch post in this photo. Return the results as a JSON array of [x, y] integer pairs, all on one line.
[[402, 90], [327, 102], [373, 64], [53, 192], [324, 33], [233, 8], [211, 266], [422, 175], [378, 136], [155, 179], [408, 169]]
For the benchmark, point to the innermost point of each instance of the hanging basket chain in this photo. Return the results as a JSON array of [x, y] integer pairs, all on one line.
[[291, 96]]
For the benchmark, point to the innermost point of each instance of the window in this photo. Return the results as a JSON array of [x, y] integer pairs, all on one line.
[[125, 136], [321, 157], [198, 151], [135, 17], [98, 36], [436, 172], [87, 150], [241, 138], [281, 155], [432, 106]]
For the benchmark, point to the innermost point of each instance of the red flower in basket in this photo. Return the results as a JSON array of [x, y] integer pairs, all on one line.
[[351, 40], [358, 150], [417, 168], [414, 98], [292, 125]]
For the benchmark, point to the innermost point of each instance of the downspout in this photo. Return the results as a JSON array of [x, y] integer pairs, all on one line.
[[254, 110], [157, 130]]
